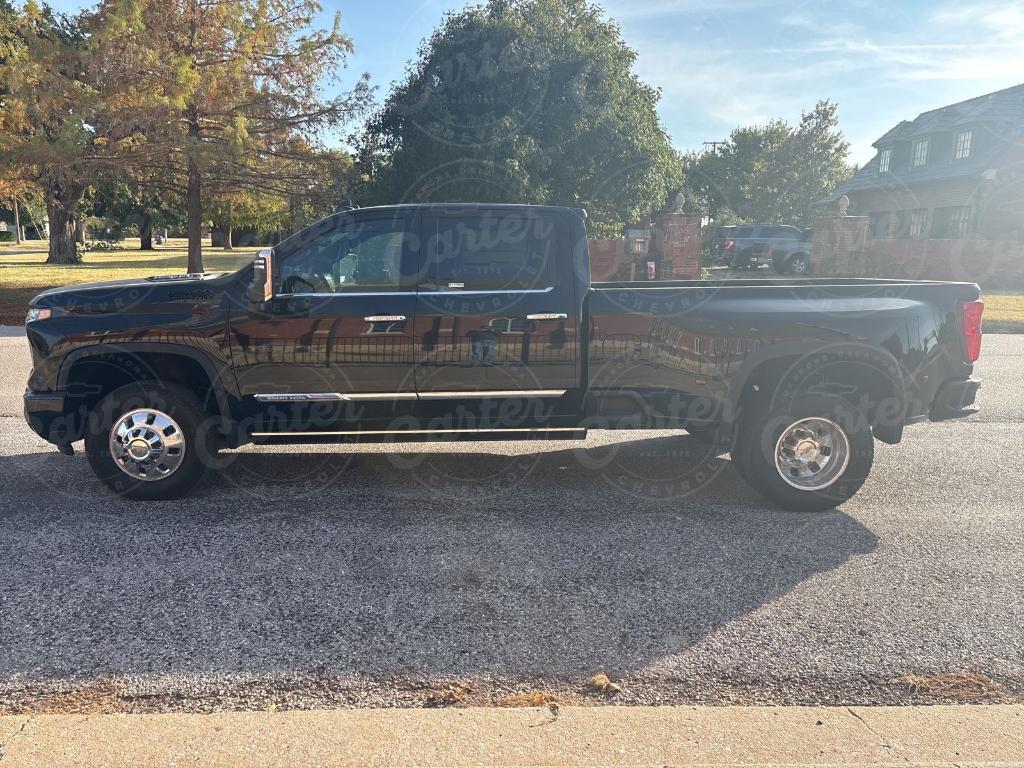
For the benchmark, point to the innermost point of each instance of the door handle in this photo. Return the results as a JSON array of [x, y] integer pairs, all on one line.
[[384, 318], [548, 316]]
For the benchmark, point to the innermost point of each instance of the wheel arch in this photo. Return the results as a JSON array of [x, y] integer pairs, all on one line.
[[98, 369], [867, 376]]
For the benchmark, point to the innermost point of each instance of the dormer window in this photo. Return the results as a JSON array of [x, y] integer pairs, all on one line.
[[920, 152], [884, 158], [963, 145]]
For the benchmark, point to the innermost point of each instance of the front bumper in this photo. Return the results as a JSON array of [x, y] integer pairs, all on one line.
[[47, 415], [955, 399]]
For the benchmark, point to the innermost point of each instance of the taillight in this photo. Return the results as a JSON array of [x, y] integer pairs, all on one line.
[[970, 325], [727, 245], [771, 250]]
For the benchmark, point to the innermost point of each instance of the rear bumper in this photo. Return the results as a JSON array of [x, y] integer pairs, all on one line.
[[955, 400]]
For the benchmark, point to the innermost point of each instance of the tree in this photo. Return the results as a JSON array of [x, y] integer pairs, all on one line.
[[771, 172], [47, 125], [133, 203], [222, 90], [523, 101]]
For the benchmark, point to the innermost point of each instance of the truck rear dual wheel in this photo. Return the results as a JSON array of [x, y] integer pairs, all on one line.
[[807, 456], [149, 441]]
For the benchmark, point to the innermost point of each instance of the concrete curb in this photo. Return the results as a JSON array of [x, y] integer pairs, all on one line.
[[574, 736]]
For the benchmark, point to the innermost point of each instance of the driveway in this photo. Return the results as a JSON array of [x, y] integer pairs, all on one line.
[[367, 577]]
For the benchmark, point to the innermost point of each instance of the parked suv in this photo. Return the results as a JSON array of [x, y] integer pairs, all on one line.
[[785, 248]]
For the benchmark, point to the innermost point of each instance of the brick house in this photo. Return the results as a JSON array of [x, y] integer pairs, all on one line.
[[953, 172]]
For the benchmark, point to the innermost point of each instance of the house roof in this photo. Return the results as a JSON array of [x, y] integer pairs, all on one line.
[[1005, 106], [1000, 114]]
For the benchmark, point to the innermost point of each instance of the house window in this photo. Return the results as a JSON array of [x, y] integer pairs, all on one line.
[[953, 222], [884, 158], [963, 145], [916, 223], [920, 152]]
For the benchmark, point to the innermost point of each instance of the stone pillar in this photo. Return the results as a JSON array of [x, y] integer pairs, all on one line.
[[839, 245]]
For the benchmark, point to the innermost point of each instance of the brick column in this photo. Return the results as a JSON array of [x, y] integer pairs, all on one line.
[[606, 258], [677, 241]]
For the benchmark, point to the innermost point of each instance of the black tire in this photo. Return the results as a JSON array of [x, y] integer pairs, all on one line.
[[196, 429], [755, 453]]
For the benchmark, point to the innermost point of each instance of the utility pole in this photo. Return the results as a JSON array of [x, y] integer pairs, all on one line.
[[714, 145]]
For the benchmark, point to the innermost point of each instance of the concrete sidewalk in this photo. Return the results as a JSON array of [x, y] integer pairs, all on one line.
[[603, 736]]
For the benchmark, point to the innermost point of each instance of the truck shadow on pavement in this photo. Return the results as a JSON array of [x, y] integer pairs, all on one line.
[[378, 564]]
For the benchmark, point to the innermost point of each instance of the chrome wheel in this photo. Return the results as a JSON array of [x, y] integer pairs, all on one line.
[[799, 265], [812, 453], [147, 444]]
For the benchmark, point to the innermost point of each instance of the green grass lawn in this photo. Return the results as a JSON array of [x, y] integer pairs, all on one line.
[[23, 274]]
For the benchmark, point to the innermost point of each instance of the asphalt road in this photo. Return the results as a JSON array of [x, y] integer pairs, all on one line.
[[368, 577]]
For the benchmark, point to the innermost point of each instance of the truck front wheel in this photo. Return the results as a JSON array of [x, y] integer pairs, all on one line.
[[809, 456], [149, 441]]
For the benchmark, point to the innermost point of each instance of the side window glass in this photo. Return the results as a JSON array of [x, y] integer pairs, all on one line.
[[490, 251], [358, 256]]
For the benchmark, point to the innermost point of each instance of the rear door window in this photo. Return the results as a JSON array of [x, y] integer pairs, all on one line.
[[490, 251], [743, 232]]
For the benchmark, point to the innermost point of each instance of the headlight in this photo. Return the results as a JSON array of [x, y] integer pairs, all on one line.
[[38, 313]]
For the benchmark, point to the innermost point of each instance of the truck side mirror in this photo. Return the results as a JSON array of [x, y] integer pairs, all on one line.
[[261, 289]]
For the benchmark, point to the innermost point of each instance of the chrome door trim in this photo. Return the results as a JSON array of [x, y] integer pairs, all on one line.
[[335, 294], [298, 397], [476, 293], [329, 397], [410, 292], [482, 393], [419, 431]]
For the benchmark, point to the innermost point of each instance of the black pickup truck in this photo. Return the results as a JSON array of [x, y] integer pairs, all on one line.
[[430, 322]]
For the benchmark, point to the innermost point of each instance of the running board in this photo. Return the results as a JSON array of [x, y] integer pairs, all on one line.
[[418, 435]]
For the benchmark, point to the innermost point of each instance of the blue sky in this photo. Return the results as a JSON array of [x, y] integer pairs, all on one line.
[[738, 62]]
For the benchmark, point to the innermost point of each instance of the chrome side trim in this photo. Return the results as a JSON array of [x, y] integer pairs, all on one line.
[[549, 289], [364, 396], [321, 397], [482, 393], [411, 292], [298, 397], [333, 295], [329, 397], [419, 431]]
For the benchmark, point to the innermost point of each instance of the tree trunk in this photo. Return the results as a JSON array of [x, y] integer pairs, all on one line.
[[194, 207], [62, 196], [80, 231], [146, 232], [17, 224], [228, 245], [63, 249]]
